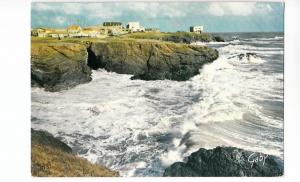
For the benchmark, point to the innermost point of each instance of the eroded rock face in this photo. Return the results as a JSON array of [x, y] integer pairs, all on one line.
[[227, 161], [149, 59], [59, 66]]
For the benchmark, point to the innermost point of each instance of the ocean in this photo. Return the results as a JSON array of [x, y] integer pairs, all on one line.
[[140, 127]]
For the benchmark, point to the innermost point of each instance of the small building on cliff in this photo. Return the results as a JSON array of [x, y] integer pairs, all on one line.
[[112, 24], [41, 32], [93, 31], [135, 27], [74, 31], [58, 33], [196, 29], [113, 28]]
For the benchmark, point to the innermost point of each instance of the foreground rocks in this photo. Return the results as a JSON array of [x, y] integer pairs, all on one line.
[[51, 157], [59, 66], [150, 59], [227, 161]]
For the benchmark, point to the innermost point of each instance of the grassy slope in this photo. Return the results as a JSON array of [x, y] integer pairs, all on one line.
[[185, 37], [52, 158]]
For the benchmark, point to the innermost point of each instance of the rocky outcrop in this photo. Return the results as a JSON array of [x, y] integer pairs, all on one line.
[[46, 139], [58, 66], [61, 65], [52, 158], [227, 161], [177, 37], [150, 59]]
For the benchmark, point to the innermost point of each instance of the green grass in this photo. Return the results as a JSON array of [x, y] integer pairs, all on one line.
[[178, 37]]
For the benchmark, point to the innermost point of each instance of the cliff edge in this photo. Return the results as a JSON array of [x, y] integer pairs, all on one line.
[[51, 157], [150, 59]]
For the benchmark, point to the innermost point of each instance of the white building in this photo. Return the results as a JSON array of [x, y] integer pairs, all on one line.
[[197, 29], [74, 30], [135, 27]]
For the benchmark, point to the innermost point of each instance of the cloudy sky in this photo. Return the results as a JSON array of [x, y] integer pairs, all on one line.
[[167, 16]]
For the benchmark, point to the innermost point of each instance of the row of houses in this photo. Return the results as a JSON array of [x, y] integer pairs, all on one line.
[[107, 28]]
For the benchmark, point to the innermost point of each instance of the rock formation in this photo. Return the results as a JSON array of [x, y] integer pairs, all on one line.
[[61, 65], [227, 161], [58, 66], [150, 59]]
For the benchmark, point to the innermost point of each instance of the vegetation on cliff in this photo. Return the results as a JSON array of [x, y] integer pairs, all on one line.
[[177, 37], [62, 64], [51, 157], [150, 59], [59, 65]]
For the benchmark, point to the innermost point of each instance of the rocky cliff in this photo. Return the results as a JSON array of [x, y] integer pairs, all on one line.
[[57, 66], [53, 158], [61, 65], [227, 161], [150, 59]]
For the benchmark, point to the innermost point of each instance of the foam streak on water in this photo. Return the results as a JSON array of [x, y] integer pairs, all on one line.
[[140, 127]]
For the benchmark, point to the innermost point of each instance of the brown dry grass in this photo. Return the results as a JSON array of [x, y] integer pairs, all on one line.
[[53, 161]]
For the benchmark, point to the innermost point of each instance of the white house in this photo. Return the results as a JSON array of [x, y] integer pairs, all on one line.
[[197, 29], [41, 32], [74, 30], [58, 33], [135, 27]]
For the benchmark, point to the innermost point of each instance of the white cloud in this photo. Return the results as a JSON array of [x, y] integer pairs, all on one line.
[[101, 10], [60, 20], [238, 8], [71, 8], [42, 7], [216, 9], [155, 9], [111, 10]]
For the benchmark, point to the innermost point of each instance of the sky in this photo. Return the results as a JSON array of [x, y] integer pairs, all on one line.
[[167, 16]]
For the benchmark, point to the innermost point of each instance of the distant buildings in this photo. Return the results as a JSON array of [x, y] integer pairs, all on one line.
[[110, 24], [135, 27], [58, 33], [74, 29], [197, 29], [106, 29], [40, 32], [114, 28]]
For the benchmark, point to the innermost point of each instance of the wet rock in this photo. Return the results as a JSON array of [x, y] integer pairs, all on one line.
[[247, 56], [227, 161]]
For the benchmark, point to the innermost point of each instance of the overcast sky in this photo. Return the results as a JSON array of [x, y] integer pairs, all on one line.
[[167, 16]]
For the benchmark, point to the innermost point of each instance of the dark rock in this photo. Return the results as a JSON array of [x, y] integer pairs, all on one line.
[[247, 55], [44, 138], [59, 66], [218, 39], [227, 161], [150, 59]]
